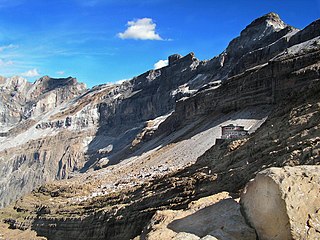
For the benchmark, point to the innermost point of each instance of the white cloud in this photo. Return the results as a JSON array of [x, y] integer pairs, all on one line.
[[4, 63], [60, 72], [10, 46], [161, 64], [140, 29], [31, 73], [122, 80]]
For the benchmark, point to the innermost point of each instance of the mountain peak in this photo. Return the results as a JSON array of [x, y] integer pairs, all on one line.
[[274, 20], [265, 25], [257, 34], [271, 15]]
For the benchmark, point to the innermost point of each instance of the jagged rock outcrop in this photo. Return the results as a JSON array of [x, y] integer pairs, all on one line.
[[173, 58], [283, 203]]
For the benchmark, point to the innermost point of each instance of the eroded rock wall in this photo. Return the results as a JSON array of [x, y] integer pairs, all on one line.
[[41, 160]]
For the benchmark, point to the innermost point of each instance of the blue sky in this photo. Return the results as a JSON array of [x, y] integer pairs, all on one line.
[[102, 41]]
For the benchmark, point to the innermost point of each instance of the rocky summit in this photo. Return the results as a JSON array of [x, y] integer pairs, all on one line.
[[144, 159]]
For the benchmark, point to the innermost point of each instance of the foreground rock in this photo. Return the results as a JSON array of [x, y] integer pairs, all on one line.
[[283, 203], [214, 217]]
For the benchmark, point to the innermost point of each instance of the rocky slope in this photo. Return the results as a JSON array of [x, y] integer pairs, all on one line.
[[146, 134]]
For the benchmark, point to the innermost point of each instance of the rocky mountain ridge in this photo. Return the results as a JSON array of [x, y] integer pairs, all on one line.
[[141, 132], [22, 100]]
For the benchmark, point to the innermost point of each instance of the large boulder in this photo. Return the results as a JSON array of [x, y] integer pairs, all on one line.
[[214, 217], [283, 203]]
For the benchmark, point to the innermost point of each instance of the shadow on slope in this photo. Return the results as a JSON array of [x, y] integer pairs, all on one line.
[[197, 135]]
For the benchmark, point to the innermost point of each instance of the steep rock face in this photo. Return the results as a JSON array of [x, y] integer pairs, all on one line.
[[261, 40], [293, 194], [255, 34], [11, 101], [41, 160], [44, 157], [48, 93], [150, 94]]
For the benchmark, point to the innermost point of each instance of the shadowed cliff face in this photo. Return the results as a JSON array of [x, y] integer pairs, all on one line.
[[56, 129]]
